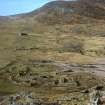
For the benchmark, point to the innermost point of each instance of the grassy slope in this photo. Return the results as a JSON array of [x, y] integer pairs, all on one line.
[[76, 43]]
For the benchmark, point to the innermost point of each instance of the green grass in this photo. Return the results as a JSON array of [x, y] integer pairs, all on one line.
[[7, 87]]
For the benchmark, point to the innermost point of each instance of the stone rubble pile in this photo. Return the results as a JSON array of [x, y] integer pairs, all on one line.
[[25, 99]]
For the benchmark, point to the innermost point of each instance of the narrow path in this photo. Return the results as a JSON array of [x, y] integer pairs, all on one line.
[[97, 69]]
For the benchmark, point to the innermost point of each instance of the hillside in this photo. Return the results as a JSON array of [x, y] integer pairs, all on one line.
[[56, 53]]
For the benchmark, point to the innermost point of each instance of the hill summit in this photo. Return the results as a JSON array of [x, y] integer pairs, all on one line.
[[70, 11]]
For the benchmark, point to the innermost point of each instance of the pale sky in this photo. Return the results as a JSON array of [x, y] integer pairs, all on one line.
[[11, 7]]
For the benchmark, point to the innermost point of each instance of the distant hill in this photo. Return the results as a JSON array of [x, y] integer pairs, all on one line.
[[62, 12]]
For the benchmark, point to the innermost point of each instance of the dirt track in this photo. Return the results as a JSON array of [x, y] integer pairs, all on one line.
[[96, 69]]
